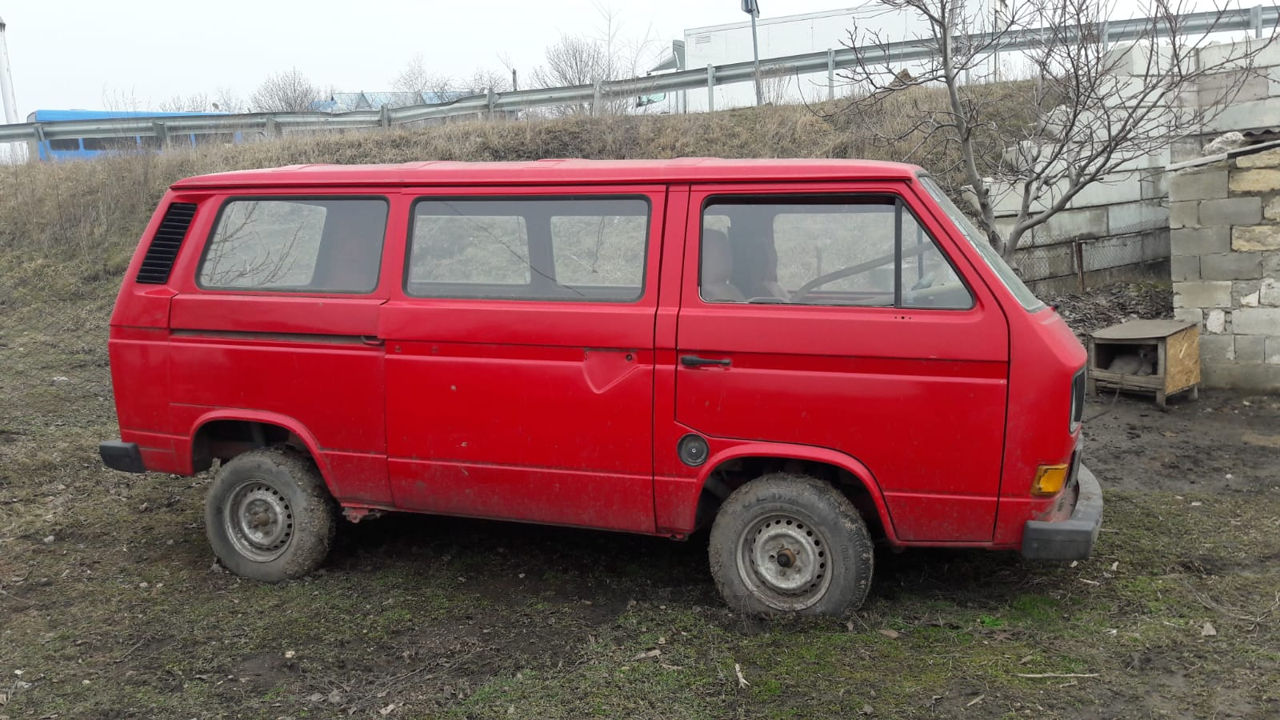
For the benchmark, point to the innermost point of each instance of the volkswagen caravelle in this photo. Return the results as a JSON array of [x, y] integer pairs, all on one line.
[[804, 356]]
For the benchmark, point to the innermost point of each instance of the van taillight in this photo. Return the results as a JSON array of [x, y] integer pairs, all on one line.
[[163, 250]]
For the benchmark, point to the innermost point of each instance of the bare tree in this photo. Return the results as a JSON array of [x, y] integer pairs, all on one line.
[[1088, 110], [228, 101], [485, 79], [285, 92], [583, 60], [198, 102], [416, 78]]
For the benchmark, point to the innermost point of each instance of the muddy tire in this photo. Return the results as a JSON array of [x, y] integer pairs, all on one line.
[[269, 515], [790, 544]]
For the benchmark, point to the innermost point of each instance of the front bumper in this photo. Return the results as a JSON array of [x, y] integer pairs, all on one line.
[[1073, 538], [124, 456]]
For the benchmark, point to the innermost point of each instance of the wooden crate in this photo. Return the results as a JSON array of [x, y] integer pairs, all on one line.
[[1176, 347]]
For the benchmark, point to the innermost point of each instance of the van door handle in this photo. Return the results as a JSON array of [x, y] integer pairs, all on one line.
[[695, 361], [372, 341]]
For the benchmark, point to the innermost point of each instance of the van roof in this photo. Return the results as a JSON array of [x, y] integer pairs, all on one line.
[[555, 172]]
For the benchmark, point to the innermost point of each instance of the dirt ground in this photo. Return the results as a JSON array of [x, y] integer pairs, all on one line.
[[112, 606]]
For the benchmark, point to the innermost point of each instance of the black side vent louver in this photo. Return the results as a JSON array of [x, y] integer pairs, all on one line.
[[164, 246]]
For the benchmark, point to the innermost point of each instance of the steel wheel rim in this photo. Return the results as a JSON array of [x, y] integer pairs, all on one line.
[[783, 560], [259, 521]]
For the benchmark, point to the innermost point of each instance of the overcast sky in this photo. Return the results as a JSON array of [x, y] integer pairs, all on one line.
[[93, 54], [136, 54]]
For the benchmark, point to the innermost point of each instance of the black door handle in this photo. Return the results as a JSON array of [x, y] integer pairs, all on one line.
[[695, 361]]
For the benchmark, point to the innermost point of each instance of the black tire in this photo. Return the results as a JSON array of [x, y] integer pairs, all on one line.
[[791, 544], [269, 515]]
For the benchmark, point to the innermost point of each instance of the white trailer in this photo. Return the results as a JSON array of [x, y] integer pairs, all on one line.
[[791, 35]]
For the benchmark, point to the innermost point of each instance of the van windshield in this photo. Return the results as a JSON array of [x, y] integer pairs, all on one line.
[[979, 241]]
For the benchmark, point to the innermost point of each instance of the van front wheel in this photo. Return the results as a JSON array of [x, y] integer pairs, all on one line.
[[269, 516], [783, 544]]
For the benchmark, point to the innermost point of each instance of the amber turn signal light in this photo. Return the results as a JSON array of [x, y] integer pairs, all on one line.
[[1050, 479]]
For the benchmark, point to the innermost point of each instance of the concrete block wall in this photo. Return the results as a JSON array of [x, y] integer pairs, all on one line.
[[1224, 220]]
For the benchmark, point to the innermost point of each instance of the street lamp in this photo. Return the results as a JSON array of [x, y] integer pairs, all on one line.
[[752, 8]]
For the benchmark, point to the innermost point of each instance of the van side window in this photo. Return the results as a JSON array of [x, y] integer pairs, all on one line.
[[296, 245], [580, 248], [824, 251]]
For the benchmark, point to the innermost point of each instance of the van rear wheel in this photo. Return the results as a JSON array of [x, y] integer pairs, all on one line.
[[791, 544], [269, 516]]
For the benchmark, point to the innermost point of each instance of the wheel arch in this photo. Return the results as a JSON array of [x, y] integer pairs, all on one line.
[[729, 468], [226, 433]]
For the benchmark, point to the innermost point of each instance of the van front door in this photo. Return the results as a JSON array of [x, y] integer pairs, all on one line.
[[832, 317], [520, 356]]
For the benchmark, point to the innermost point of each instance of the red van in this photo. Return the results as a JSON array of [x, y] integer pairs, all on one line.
[[803, 355]]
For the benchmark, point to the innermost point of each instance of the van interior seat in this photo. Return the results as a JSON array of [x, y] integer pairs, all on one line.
[[717, 269]]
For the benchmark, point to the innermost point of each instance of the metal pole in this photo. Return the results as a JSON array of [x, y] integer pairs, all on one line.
[[755, 52], [711, 87], [6, 94], [1255, 15], [831, 74]]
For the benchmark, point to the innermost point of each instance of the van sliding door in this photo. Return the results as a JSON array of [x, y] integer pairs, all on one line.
[[520, 355]]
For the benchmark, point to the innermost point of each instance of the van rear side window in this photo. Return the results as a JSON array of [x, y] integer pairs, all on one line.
[[579, 248], [296, 245]]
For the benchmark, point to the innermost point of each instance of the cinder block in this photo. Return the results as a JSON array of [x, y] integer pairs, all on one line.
[[1215, 322], [1191, 315], [1185, 213], [1216, 349], [1249, 349], [1272, 210], [1271, 264], [1198, 185], [1233, 86], [1231, 266], [1260, 378], [1244, 293], [1213, 294], [1184, 267], [1269, 292], [1231, 211], [1271, 350], [1255, 181], [1155, 185], [1136, 217], [1254, 238], [1264, 159], [1248, 114], [1115, 188], [1070, 224], [1256, 321], [1205, 241]]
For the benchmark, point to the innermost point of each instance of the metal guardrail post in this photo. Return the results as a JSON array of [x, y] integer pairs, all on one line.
[[491, 99], [161, 134], [38, 134], [272, 128], [831, 74], [595, 99], [1255, 17], [384, 116], [711, 87]]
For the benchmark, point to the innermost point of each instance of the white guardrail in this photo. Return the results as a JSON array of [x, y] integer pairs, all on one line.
[[270, 124]]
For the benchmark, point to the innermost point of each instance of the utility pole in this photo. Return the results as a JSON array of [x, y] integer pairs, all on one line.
[[6, 94], [6, 81], [752, 8]]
